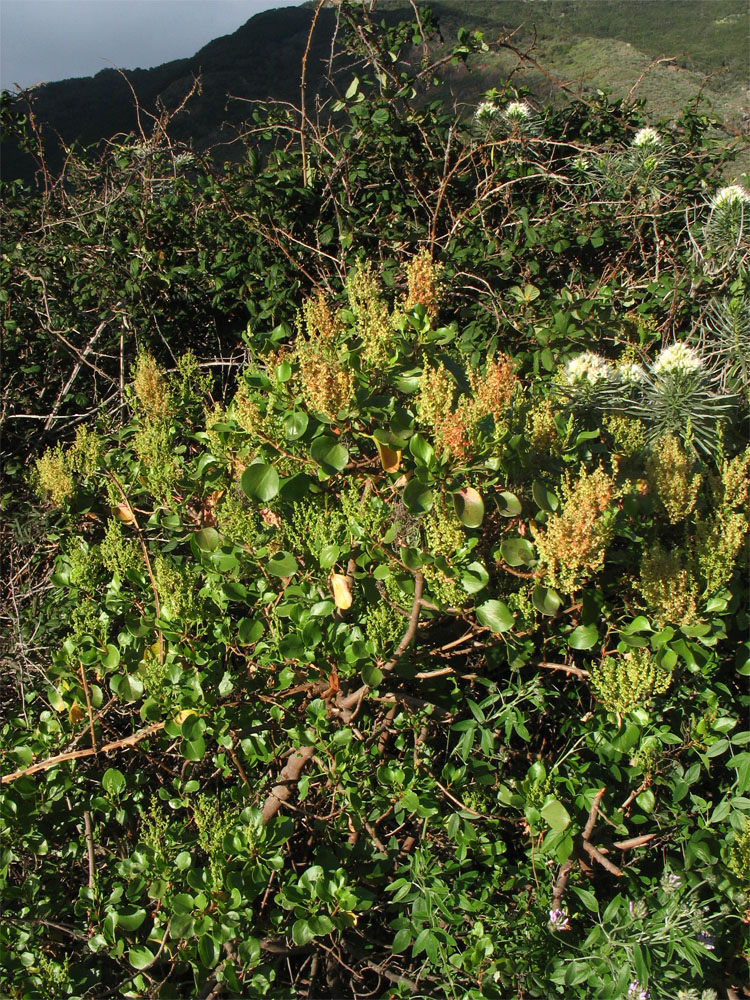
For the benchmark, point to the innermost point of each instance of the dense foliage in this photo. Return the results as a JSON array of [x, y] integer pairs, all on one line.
[[373, 540]]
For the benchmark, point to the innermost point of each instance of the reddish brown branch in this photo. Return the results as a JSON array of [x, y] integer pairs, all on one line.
[[289, 776]]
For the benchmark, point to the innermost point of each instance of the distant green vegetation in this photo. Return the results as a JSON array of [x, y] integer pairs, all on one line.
[[584, 44]]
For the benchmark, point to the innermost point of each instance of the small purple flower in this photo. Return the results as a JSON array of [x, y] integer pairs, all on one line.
[[707, 940], [558, 920], [637, 992]]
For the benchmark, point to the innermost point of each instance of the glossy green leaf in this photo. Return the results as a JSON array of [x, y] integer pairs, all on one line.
[[141, 957], [302, 933], [329, 555], [260, 482], [295, 424], [508, 504], [282, 564], [418, 497], [193, 749], [495, 615], [646, 800], [421, 449], [113, 781], [583, 637], [249, 631], [469, 507], [474, 578], [129, 688], [546, 600], [517, 551], [545, 498], [556, 815], [329, 454]]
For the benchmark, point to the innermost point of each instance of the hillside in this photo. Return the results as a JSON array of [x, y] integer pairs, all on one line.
[[577, 46]]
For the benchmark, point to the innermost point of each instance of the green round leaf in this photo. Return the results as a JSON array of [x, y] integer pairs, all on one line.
[[249, 631], [411, 557], [495, 615], [329, 454], [130, 918], [546, 600], [207, 539], [209, 951], [328, 556], [140, 958], [113, 781], [556, 815], [282, 564], [295, 424], [508, 504], [372, 675], [474, 578], [193, 727], [193, 749], [112, 658], [129, 687], [260, 482], [183, 860], [469, 507], [546, 499], [583, 637], [646, 800], [417, 497], [302, 933], [517, 551], [421, 449]]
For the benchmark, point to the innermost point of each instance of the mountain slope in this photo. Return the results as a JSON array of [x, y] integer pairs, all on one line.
[[587, 44]]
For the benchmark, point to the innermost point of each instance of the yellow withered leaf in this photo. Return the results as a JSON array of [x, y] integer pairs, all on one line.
[[123, 513], [390, 458], [342, 594], [184, 714], [76, 713]]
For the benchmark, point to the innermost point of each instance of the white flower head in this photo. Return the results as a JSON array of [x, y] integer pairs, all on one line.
[[517, 111], [587, 367], [731, 195], [486, 112], [646, 137], [675, 359], [631, 371]]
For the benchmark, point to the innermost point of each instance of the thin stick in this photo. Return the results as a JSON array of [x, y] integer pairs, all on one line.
[[413, 622], [589, 828], [88, 706], [43, 765], [598, 856], [89, 846], [626, 845], [565, 667], [303, 92], [459, 803], [146, 560]]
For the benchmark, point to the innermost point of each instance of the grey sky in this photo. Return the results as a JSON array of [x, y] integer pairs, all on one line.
[[44, 40]]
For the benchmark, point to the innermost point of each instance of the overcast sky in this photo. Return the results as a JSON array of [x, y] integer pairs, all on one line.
[[44, 40]]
